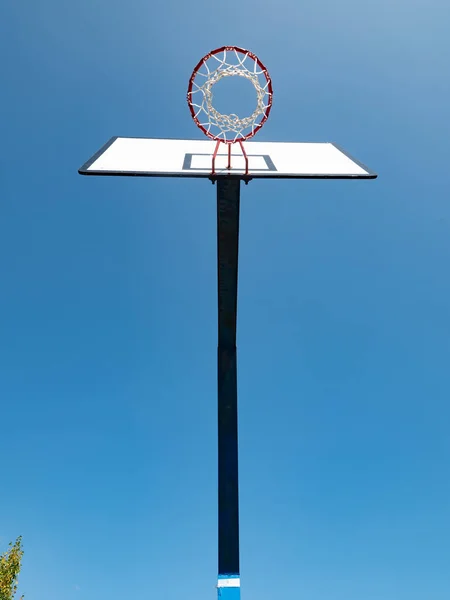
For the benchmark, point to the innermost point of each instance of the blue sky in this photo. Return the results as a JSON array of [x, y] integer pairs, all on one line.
[[108, 308]]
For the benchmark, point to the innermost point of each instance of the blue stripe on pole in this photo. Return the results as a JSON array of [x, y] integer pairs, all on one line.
[[228, 593]]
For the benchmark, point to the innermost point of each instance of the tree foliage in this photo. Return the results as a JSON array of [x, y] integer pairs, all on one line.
[[10, 563]]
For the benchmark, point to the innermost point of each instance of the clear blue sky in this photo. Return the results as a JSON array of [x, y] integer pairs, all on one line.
[[108, 308]]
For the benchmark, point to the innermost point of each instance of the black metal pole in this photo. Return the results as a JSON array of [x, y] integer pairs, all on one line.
[[228, 199]]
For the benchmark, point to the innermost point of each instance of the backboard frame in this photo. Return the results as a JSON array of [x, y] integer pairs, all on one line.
[[84, 169]]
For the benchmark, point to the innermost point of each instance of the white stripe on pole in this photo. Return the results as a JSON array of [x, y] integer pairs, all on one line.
[[231, 582]]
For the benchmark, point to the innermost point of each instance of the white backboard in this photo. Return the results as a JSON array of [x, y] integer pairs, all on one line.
[[193, 158]]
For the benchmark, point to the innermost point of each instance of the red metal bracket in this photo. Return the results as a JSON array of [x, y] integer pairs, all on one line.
[[216, 149]]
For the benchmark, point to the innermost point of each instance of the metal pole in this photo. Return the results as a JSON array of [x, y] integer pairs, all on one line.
[[228, 198]]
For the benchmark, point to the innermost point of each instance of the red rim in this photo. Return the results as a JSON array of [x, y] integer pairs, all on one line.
[[269, 91]]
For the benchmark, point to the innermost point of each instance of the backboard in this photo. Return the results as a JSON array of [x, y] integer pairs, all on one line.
[[147, 157]]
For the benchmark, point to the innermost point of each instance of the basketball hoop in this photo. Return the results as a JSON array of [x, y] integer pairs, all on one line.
[[228, 61]]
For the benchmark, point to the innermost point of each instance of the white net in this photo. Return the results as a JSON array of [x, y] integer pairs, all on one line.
[[214, 67]]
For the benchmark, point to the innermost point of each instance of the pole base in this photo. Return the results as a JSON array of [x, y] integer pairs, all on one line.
[[229, 587]]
